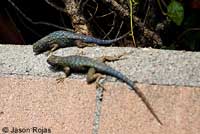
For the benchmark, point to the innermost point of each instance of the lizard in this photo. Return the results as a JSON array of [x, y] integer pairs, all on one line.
[[61, 39], [95, 68]]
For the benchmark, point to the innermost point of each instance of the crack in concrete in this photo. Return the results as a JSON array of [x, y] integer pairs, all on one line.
[[97, 114]]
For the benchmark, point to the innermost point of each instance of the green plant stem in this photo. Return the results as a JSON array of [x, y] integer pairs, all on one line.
[[131, 22], [162, 11]]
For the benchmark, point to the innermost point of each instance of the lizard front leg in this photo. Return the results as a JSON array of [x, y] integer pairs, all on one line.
[[66, 70]]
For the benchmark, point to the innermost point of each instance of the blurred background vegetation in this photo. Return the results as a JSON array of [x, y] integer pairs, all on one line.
[[177, 22]]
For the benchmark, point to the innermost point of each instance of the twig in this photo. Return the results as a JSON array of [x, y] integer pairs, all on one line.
[[131, 22], [120, 27], [54, 6], [183, 33], [37, 22]]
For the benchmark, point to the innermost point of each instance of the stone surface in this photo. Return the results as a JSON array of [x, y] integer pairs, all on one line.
[[42, 103], [143, 65], [177, 107]]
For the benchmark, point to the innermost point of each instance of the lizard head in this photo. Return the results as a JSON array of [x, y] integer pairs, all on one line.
[[54, 60], [55, 63], [47, 43], [53, 41], [42, 45]]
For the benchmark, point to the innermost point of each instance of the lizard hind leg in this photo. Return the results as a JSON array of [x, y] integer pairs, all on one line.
[[111, 58], [108, 58], [82, 44], [93, 76]]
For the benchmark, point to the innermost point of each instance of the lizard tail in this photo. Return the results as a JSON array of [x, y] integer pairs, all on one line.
[[104, 42], [125, 79], [148, 105]]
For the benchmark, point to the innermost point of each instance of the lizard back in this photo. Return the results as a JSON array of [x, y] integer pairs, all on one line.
[[75, 62]]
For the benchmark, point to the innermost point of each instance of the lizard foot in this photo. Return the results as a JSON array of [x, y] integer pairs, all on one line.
[[99, 84], [60, 80]]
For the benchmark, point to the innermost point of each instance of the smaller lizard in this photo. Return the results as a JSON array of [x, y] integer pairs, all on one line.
[[95, 68], [61, 39]]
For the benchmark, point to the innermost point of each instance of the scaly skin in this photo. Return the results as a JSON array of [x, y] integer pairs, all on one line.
[[60, 39], [81, 63]]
